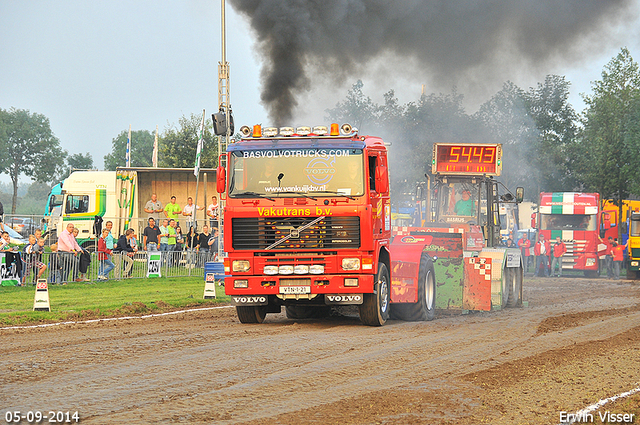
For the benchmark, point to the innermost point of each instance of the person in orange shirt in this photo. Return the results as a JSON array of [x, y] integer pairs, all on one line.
[[524, 244], [617, 252], [559, 249]]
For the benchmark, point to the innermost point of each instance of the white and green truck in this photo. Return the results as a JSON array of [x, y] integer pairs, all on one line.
[[120, 196]]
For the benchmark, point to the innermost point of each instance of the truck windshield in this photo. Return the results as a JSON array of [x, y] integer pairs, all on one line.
[[294, 172], [568, 222], [458, 200], [635, 228]]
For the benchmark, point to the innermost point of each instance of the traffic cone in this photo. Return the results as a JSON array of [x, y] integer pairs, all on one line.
[[41, 300]]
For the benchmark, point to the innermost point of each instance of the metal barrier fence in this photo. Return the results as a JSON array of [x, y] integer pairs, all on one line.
[[63, 267]]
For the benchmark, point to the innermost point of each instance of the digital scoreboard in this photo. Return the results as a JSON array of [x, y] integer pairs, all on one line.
[[467, 158]]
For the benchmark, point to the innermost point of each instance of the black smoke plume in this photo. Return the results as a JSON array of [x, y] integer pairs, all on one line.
[[443, 40]]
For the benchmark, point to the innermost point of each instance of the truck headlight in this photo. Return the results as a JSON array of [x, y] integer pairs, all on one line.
[[270, 270], [301, 269], [634, 264], [590, 262], [240, 266], [351, 282], [351, 264], [316, 269], [285, 269], [241, 283]]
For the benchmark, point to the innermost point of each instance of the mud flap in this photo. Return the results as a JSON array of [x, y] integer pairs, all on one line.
[[477, 288]]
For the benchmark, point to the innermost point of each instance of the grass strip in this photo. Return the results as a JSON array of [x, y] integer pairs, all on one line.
[[81, 301]]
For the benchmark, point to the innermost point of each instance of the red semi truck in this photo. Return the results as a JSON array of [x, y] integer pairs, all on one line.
[[307, 225], [574, 217]]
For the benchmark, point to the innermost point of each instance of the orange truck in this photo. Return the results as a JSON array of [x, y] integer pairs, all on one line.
[[307, 226]]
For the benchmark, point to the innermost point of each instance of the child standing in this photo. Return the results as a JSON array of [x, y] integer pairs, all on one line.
[[104, 255]]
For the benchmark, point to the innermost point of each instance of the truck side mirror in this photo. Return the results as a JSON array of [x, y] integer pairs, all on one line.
[[519, 194], [382, 179], [221, 179]]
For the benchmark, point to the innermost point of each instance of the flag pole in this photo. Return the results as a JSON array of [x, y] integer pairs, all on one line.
[[196, 170], [128, 154], [155, 150]]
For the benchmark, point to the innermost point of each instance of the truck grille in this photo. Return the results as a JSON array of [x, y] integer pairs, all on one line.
[[330, 233]]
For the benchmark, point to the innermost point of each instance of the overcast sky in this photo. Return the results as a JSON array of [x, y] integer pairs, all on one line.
[[95, 67]]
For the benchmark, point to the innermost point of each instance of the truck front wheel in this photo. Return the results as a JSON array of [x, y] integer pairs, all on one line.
[[374, 310], [251, 314]]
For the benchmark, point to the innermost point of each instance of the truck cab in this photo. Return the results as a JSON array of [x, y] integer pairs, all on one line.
[[307, 222]]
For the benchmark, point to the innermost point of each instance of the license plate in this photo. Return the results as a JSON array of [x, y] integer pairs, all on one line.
[[295, 289]]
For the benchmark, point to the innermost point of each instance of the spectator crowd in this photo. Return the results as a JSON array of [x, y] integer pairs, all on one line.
[[69, 261]]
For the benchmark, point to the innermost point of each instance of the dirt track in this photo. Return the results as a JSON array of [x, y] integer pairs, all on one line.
[[576, 343]]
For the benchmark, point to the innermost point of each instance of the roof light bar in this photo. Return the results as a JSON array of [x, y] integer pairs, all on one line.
[[303, 131], [320, 130], [286, 131], [270, 132]]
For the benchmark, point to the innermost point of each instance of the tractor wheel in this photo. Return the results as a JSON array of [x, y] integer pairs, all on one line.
[[506, 287], [515, 287], [424, 309], [374, 310], [251, 314]]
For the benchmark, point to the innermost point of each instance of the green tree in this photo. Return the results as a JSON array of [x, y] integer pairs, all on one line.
[[556, 124], [434, 118], [77, 161], [141, 150], [507, 120], [30, 148], [632, 143], [357, 109], [604, 162], [178, 145]]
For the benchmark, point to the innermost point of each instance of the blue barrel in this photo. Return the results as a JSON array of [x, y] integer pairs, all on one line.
[[214, 271]]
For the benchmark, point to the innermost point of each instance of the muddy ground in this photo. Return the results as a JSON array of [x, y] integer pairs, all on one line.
[[577, 342]]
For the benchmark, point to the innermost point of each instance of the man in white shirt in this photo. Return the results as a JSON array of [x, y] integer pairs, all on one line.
[[212, 212], [189, 211]]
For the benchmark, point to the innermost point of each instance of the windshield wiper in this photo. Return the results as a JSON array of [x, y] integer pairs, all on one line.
[[335, 193], [306, 195], [252, 194]]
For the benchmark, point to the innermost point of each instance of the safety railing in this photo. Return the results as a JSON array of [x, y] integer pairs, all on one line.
[[88, 267]]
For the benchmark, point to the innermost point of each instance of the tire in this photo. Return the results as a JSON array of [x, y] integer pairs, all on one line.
[[374, 310], [591, 274], [299, 312], [515, 287], [425, 308], [89, 246], [506, 287], [251, 314]]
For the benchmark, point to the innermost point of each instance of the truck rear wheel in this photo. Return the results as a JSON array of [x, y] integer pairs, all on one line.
[[251, 314], [515, 286], [374, 310], [425, 308]]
